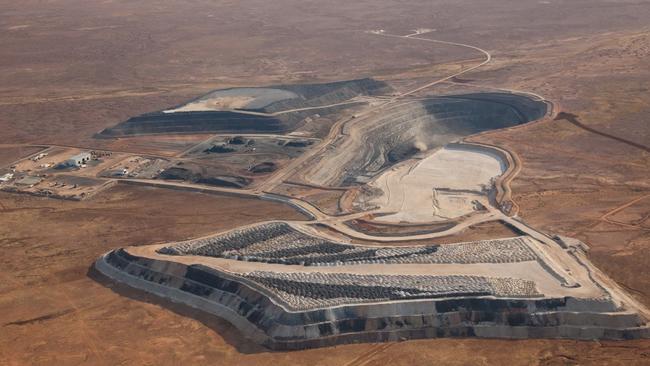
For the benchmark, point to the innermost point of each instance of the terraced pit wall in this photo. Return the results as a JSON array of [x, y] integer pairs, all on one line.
[[251, 309], [412, 126]]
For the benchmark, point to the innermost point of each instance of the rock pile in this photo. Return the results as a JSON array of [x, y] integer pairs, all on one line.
[[310, 290], [280, 243]]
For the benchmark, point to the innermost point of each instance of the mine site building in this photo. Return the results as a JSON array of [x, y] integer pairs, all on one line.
[[78, 160]]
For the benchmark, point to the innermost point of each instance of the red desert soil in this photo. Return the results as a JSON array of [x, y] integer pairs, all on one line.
[[9, 154]]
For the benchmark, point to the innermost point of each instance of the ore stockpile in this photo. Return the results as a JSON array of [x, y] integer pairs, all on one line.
[[262, 119], [278, 242], [315, 95], [199, 121], [302, 291]]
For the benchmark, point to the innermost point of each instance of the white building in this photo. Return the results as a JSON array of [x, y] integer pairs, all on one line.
[[78, 160]]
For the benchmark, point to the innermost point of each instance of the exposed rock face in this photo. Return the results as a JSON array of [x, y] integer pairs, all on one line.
[[405, 129]]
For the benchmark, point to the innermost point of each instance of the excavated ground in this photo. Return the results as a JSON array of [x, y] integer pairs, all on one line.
[[426, 191], [407, 128]]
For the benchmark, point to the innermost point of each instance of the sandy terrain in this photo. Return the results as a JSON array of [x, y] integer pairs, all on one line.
[[163, 145], [10, 154]]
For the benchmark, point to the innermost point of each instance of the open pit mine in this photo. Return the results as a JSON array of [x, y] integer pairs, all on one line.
[[372, 266]]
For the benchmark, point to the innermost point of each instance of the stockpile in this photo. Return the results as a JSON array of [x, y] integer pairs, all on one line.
[[313, 290], [280, 243]]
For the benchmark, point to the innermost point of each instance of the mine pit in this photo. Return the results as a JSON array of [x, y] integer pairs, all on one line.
[[426, 192], [378, 142]]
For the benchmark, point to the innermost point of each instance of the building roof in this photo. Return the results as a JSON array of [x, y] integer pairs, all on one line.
[[80, 156]]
